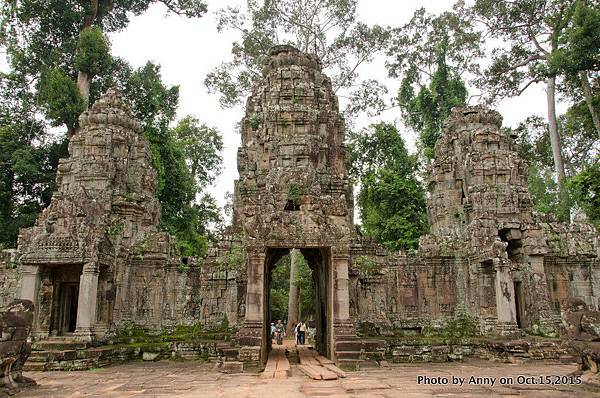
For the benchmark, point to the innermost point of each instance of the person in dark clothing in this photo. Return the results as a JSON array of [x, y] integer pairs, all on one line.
[[302, 332]]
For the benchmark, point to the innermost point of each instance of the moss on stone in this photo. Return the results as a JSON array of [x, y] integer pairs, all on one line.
[[456, 328]]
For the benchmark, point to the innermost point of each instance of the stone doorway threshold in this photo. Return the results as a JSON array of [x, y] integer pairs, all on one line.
[[311, 363]]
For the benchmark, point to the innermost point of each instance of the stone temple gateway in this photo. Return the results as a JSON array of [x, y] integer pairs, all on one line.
[[95, 263], [294, 192]]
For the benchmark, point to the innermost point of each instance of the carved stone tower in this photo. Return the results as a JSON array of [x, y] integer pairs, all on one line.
[[480, 207], [75, 258], [294, 191]]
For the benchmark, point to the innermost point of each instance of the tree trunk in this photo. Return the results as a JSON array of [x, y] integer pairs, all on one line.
[[83, 84], [70, 132], [587, 94], [83, 78], [294, 295], [555, 143]]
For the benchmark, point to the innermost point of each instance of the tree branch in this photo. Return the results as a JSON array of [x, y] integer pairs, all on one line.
[[536, 43], [527, 86]]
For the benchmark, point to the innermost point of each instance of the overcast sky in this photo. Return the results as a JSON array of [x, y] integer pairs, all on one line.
[[187, 49]]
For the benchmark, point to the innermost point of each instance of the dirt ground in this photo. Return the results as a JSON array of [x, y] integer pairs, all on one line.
[[193, 379]]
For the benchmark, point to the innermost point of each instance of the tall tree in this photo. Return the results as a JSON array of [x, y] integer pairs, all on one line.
[[391, 200], [532, 33], [430, 54], [579, 57], [327, 28], [293, 315], [202, 145], [56, 51], [581, 149], [28, 160], [426, 111], [68, 35]]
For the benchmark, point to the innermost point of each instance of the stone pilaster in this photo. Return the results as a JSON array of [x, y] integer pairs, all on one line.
[[86, 306], [30, 282], [505, 298]]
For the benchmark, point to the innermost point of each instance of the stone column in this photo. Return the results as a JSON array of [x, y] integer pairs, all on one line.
[[341, 297], [254, 331], [343, 329], [505, 297], [86, 305], [30, 286], [255, 287]]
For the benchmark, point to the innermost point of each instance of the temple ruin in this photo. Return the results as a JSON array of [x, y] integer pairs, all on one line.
[[95, 262]]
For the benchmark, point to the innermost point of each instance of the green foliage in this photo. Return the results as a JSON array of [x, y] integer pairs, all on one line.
[[59, 97], [542, 330], [427, 111], [202, 146], [585, 188], [280, 287], [459, 327], [581, 49], [28, 160], [93, 51], [429, 54], [234, 260], [294, 193], [136, 336], [391, 200], [366, 266], [116, 228], [580, 150], [255, 121], [305, 283]]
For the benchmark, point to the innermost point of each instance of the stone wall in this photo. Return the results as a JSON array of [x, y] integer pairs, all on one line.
[[489, 264], [10, 277], [488, 256]]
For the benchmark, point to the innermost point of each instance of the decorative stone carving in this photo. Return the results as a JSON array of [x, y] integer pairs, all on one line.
[[15, 325]]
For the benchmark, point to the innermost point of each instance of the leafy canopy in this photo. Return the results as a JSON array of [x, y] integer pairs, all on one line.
[[327, 28], [391, 200]]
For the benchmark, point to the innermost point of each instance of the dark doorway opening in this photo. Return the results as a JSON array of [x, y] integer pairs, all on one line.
[[59, 298], [519, 304], [68, 295], [318, 260]]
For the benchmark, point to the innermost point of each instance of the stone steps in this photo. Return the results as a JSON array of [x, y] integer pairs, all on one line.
[[57, 344], [356, 354]]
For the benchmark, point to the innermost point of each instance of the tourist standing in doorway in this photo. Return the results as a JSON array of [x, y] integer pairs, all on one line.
[[297, 332], [302, 332], [272, 332], [279, 332]]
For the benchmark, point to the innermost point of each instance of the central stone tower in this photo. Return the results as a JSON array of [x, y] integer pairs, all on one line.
[[294, 192]]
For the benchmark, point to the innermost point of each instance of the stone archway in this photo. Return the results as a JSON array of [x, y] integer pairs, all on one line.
[[319, 262]]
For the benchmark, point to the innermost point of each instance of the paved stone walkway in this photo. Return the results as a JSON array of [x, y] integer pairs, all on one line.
[[192, 379]]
